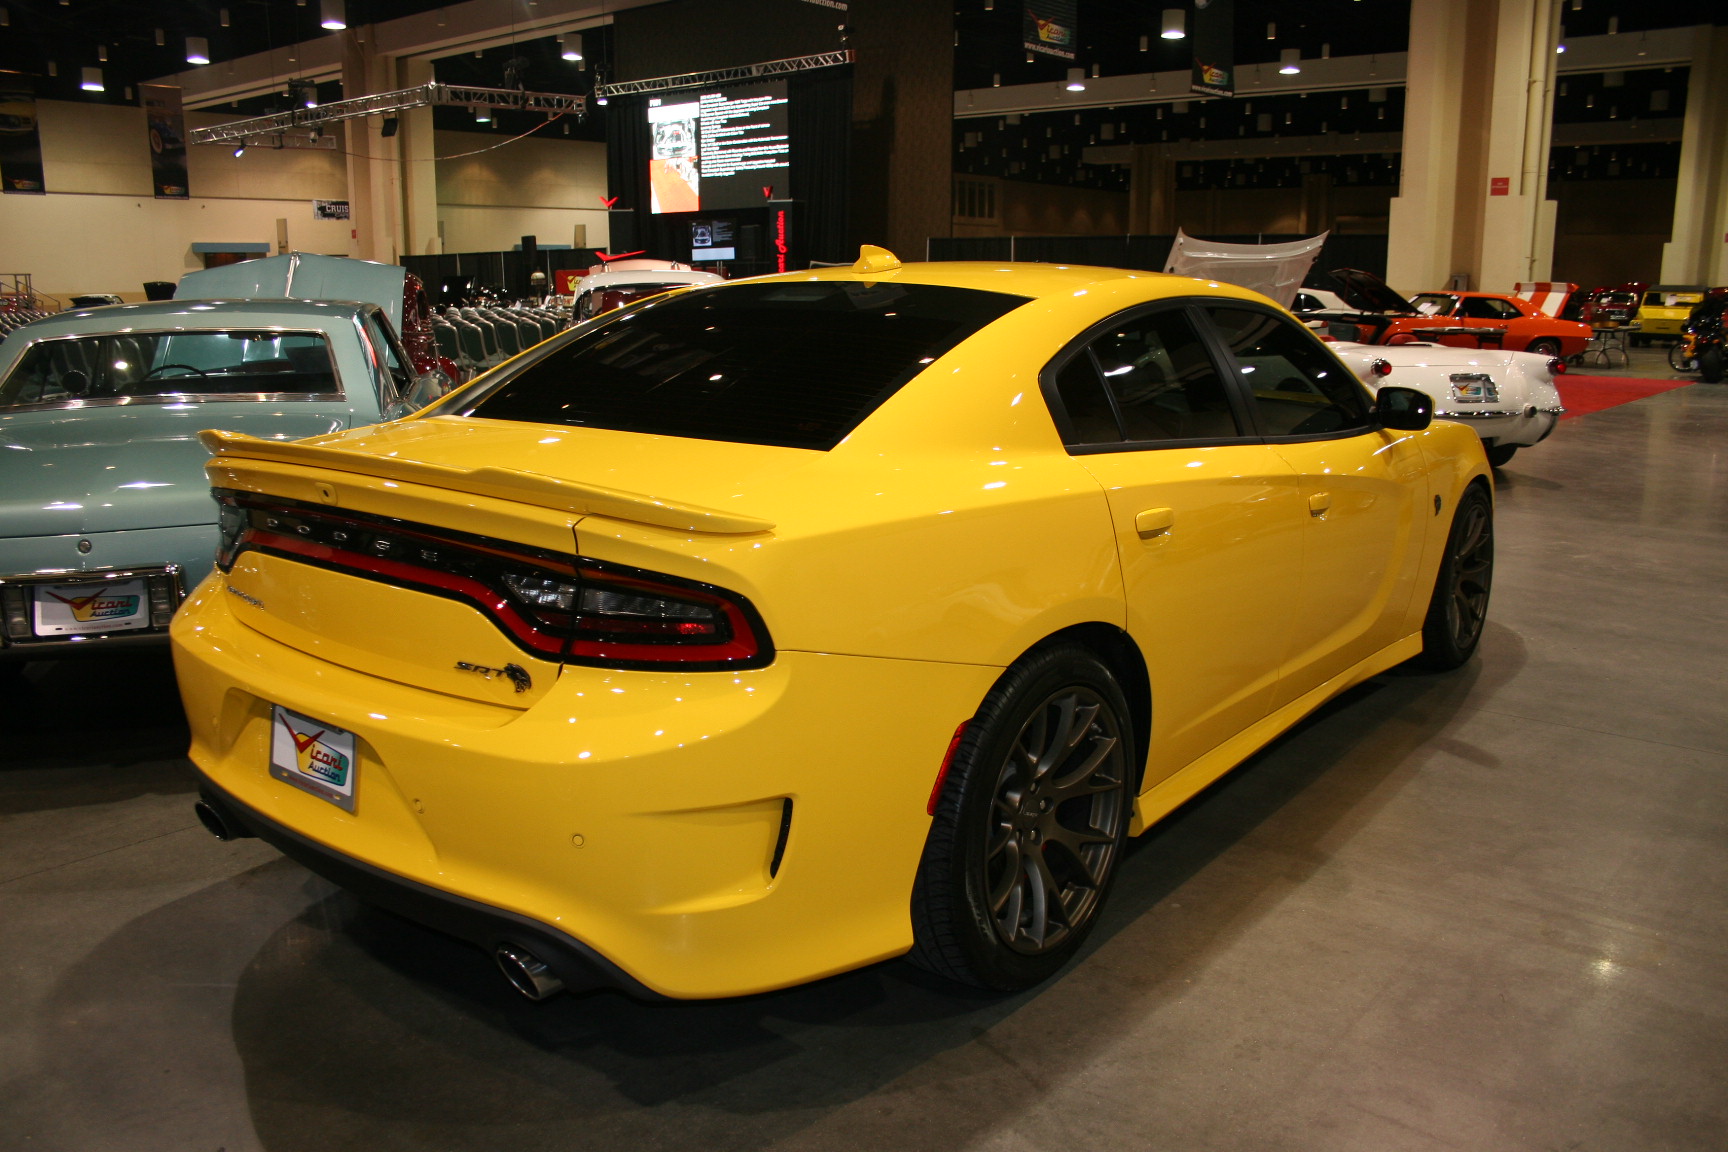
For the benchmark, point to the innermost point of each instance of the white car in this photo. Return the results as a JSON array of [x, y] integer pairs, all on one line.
[[1318, 300], [1508, 397], [611, 285]]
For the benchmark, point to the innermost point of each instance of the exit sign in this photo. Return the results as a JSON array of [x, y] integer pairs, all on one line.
[[1500, 186]]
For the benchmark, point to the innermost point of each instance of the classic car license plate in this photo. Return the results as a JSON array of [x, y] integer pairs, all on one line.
[[312, 755], [97, 606]]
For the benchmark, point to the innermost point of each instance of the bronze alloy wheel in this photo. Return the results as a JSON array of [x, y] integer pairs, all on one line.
[[1459, 607], [1029, 824], [1055, 821]]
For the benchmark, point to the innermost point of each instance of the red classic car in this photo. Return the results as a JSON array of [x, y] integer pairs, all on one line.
[[1461, 319]]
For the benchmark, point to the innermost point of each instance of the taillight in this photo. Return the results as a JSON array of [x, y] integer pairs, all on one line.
[[556, 607], [1556, 366]]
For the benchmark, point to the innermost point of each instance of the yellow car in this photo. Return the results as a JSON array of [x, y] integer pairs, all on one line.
[[754, 633], [1665, 310]]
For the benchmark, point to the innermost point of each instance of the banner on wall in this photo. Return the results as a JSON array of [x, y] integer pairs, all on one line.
[[165, 125], [20, 143], [1214, 39], [1047, 26], [330, 210]]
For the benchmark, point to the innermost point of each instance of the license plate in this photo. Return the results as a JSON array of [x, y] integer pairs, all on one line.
[[312, 755], [96, 606]]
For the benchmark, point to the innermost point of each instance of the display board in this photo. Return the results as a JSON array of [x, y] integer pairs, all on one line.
[[722, 148]]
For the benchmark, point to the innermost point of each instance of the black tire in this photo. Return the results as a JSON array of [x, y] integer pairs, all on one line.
[[1544, 347], [1459, 605], [1500, 455], [1029, 827], [1710, 365]]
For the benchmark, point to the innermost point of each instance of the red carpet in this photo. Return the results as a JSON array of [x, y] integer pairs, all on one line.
[[1585, 394]]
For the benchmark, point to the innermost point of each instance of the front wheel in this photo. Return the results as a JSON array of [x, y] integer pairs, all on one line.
[[1029, 826], [1459, 606], [1680, 359]]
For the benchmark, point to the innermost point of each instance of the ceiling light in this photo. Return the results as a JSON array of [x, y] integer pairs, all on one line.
[[92, 80], [1076, 80], [600, 100], [333, 15], [1271, 31], [1289, 61], [102, 53], [482, 114], [197, 50], [570, 46], [161, 38], [240, 151], [6, 21], [1175, 24], [222, 17]]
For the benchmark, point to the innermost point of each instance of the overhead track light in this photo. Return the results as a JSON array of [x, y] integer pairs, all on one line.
[[1175, 24], [1076, 80], [334, 15], [102, 53], [92, 81], [1289, 61], [240, 151], [570, 46], [161, 38], [197, 50]]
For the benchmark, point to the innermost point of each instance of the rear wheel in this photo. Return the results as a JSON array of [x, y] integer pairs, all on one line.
[[1029, 826], [1544, 347], [1459, 606], [1710, 364], [1501, 455]]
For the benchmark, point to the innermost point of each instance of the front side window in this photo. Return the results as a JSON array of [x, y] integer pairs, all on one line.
[[792, 363], [142, 365], [1299, 389]]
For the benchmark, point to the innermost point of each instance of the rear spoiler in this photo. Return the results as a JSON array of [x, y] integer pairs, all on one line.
[[504, 483]]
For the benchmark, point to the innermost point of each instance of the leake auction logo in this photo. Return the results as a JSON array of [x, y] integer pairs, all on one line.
[[317, 759], [86, 609]]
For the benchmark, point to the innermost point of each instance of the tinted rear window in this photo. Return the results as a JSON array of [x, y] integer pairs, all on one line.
[[796, 364]]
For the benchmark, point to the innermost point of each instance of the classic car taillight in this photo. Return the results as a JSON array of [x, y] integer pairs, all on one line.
[[1556, 366], [556, 607]]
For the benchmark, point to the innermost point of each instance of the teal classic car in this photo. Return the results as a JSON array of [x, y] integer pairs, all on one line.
[[106, 518]]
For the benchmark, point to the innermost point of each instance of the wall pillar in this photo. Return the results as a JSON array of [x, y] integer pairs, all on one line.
[[902, 123], [1317, 213], [374, 160], [1697, 250], [1473, 198], [418, 168]]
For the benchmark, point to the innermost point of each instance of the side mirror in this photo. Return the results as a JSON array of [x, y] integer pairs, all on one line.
[[1403, 409]]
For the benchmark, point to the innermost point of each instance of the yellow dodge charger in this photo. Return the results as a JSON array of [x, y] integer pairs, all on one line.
[[758, 632]]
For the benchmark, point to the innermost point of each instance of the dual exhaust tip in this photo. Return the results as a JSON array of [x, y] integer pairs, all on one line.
[[527, 973]]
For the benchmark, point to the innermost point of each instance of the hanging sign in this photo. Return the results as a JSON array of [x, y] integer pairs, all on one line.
[[1214, 39], [329, 209], [165, 125], [1047, 26], [20, 143]]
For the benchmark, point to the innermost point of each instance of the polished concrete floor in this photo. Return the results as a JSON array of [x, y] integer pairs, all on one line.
[[1478, 911]]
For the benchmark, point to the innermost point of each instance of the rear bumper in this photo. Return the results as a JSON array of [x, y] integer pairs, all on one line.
[[640, 816], [575, 963]]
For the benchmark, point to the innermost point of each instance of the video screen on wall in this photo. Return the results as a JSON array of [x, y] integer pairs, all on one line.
[[718, 149]]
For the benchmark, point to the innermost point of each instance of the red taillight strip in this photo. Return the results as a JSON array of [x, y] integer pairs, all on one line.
[[499, 607]]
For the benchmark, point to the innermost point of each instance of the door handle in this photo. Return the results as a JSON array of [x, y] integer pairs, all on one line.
[[1154, 522], [1319, 503]]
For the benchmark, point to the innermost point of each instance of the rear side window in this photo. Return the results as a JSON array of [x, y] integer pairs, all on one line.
[[1488, 308], [1145, 380], [796, 364], [1299, 388]]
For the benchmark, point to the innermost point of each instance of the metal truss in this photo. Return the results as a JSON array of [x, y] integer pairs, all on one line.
[[283, 125], [726, 75]]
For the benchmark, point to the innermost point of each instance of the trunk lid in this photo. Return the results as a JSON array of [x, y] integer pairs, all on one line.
[[433, 582], [1368, 292]]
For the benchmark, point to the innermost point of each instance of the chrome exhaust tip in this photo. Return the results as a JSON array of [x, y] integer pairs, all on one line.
[[527, 973]]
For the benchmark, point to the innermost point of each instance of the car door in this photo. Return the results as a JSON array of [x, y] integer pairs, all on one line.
[[1362, 487], [1209, 523], [1487, 312]]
